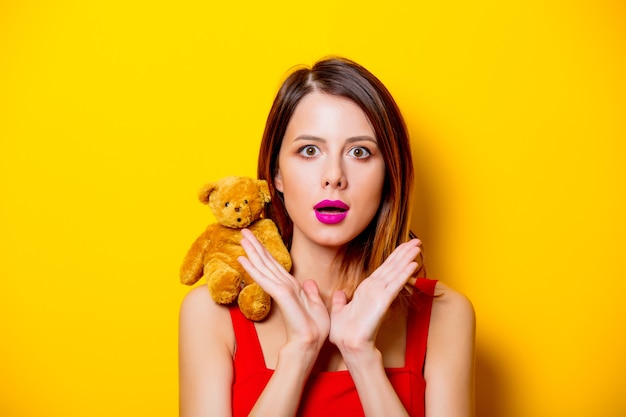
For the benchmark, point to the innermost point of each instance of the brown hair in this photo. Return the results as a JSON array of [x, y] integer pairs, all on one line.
[[390, 227]]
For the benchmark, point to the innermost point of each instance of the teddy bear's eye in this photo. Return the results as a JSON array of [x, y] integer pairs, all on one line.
[[245, 201], [227, 204]]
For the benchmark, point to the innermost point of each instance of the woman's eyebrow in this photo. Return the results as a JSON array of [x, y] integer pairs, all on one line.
[[361, 138], [311, 138]]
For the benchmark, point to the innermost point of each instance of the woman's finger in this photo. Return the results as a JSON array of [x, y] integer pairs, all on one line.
[[395, 264], [254, 260], [394, 286], [259, 254], [339, 301], [312, 290]]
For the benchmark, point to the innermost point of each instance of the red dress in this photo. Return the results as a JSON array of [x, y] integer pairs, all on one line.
[[332, 394]]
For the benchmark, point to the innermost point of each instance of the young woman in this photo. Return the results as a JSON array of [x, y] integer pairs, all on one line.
[[353, 329]]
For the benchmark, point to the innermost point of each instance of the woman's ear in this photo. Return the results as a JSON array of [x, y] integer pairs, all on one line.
[[278, 181]]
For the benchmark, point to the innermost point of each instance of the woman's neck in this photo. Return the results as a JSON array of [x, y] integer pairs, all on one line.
[[319, 263]]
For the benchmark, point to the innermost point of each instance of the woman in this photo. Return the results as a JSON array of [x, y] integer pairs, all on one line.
[[351, 324]]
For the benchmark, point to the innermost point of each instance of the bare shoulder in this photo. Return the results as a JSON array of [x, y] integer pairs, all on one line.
[[451, 308], [198, 301], [452, 321], [202, 318]]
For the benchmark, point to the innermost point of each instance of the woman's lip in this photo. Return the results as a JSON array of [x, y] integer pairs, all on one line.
[[331, 217], [331, 203]]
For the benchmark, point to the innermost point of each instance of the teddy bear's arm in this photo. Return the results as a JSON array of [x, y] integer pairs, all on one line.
[[192, 268]]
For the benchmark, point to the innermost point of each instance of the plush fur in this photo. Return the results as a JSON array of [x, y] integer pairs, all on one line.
[[236, 203]]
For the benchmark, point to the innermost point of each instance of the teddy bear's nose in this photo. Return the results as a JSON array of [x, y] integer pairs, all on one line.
[[237, 209]]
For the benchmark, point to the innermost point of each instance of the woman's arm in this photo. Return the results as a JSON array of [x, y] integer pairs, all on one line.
[[306, 323], [355, 325], [377, 395], [282, 394], [449, 369], [206, 340]]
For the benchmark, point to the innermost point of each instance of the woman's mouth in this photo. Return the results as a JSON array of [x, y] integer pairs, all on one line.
[[331, 211]]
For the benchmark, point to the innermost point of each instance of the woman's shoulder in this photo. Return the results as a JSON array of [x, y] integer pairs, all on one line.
[[453, 319], [203, 318], [451, 303], [198, 300]]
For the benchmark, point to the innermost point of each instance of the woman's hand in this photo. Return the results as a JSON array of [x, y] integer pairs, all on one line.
[[304, 313], [354, 325]]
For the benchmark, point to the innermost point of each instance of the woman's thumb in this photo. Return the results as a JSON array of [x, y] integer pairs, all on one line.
[[338, 302]]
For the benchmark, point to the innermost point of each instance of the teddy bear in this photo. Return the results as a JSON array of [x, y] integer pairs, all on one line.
[[236, 202]]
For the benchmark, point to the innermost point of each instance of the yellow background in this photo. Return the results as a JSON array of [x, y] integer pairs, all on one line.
[[113, 113]]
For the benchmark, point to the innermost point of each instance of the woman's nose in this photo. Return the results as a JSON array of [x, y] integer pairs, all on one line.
[[334, 176]]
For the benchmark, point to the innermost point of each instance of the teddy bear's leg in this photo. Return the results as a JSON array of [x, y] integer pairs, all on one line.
[[254, 302], [224, 282]]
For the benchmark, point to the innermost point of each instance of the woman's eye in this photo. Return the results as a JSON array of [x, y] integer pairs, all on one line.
[[309, 150], [359, 152]]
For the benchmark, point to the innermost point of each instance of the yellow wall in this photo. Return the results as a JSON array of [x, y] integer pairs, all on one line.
[[113, 113]]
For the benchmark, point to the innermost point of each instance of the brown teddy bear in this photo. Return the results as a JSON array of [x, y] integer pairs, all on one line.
[[236, 203]]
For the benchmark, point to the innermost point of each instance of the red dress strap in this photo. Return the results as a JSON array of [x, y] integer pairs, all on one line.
[[418, 323], [248, 354], [250, 375]]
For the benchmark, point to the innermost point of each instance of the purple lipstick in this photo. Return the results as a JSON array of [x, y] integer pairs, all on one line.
[[331, 211]]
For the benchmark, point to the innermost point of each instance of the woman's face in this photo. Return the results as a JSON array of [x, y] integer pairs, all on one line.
[[330, 170]]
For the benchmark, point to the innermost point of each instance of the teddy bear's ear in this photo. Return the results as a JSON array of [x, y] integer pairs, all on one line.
[[264, 190], [205, 192]]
